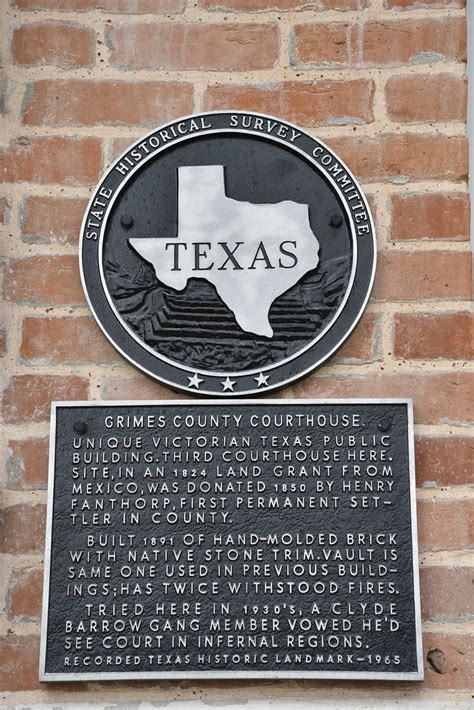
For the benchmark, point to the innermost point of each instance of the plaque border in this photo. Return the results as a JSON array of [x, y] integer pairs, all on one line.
[[173, 374], [417, 675]]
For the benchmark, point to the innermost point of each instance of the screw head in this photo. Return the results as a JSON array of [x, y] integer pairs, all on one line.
[[80, 427], [127, 221], [335, 220], [384, 424]]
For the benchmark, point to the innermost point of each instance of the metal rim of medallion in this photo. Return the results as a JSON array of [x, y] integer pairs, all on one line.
[[192, 379]]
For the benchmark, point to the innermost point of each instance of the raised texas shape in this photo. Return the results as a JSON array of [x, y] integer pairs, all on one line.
[[251, 253]]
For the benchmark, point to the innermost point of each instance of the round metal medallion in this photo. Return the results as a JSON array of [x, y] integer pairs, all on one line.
[[228, 253]]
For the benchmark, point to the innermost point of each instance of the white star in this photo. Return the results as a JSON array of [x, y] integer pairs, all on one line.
[[228, 384], [262, 380], [195, 381]]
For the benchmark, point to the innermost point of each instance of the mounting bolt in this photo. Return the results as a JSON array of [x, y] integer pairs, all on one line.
[[384, 424], [127, 221], [336, 220], [80, 427]]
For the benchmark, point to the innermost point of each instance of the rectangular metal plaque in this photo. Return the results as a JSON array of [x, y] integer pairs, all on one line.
[[262, 539]]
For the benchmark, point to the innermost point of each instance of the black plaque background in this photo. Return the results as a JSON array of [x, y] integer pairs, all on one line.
[[396, 517]]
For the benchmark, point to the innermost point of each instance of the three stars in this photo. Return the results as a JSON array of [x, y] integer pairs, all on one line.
[[227, 384]]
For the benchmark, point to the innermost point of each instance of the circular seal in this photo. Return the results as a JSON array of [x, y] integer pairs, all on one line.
[[227, 253]]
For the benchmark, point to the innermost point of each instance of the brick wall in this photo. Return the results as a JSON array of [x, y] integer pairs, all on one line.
[[383, 82]]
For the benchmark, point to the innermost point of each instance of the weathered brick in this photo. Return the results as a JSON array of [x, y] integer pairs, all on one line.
[[27, 463], [260, 5], [425, 336], [64, 339], [404, 157], [414, 41], [308, 104], [386, 42], [409, 4], [454, 664], [326, 44], [443, 600], [422, 276], [22, 528], [4, 210], [438, 398], [363, 343], [43, 280], [79, 102], [136, 388], [55, 220], [441, 97], [137, 7], [229, 47], [68, 161], [445, 525], [66, 45], [3, 341], [24, 594], [20, 659], [120, 145], [430, 216], [27, 398], [445, 461]]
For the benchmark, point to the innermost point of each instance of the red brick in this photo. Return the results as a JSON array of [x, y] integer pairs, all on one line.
[[410, 156], [414, 99], [445, 461], [415, 4], [424, 336], [114, 103], [20, 659], [66, 45], [363, 343], [55, 220], [120, 145], [68, 161], [22, 528], [445, 525], [3, 341], [137, 388], [64, 339], [28, 397], [373, 207], [4, 210], [326, 44], [136, 7], [386, 42], [258, 5], [308, 104], [439, 398], [24, 594], [27, 463], [229, 47], [443, 600], [422, 276], [430, 216], [414, 41], [455, 663], [44, 280]]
